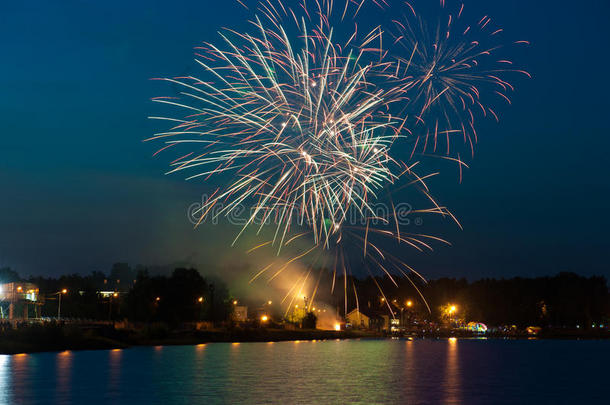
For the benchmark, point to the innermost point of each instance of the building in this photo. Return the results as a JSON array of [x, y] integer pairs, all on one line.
[[19, 301], [240, 313], [366, 318]]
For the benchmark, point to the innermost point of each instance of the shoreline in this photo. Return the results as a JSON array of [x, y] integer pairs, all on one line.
[[63, 338]]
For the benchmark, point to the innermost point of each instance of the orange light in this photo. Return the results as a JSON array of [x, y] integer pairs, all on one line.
[[115, 295], [19, 289], [200, 299], [409, 303], [158, 299], [337, 327], [235, 302], [264, 318], [64, 291], [269, 302]]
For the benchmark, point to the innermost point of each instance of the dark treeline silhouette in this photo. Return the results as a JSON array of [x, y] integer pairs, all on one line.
[[566, 300], [185, 296], [132, 294]]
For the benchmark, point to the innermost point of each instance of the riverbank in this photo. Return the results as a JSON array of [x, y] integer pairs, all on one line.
[[60, 337], [56, 337]]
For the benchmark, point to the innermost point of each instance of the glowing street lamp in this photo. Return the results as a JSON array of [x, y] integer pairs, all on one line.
[[59, 294], [264, 318], [409, 303], [200, 299], [452, 309], [235, 302]]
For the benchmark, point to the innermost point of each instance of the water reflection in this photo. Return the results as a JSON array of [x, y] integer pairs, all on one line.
[[410, 371], [452, 373], [5, 381], [114, 373], [20, 373], [63, 375], [366, 371]]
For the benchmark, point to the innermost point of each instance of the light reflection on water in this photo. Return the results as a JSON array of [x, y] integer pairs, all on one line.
[[358, 371]]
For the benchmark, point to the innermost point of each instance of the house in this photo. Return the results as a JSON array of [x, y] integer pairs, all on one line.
[[366, 318], [19, 301], [240, 313]]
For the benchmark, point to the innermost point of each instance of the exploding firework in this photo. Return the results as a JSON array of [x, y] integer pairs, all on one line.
[[458, 74], [305, 133], [299, 120]]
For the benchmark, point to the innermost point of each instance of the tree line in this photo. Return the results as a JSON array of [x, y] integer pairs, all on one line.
[[565, 300]]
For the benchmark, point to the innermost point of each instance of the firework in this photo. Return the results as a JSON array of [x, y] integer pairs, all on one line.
[[457, 71], [299, 120], [302, 129]]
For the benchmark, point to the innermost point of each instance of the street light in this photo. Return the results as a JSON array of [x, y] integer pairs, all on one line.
[[200, 301], [114, 295], [264, 318], [59, 294], [409, 303]]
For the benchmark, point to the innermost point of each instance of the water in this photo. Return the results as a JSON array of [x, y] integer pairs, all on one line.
[[329, 372]]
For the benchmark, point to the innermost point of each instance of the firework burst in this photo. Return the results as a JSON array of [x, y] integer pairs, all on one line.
[[302, 129], [299, 120], [458, 74]]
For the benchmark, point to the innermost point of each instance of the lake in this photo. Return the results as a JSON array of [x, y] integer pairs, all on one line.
[[320, 372]]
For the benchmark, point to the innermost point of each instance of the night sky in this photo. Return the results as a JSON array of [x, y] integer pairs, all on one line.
[[79, 189]]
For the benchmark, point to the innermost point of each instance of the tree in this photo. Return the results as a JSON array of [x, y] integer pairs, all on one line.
[[310, 320], [8, 276]]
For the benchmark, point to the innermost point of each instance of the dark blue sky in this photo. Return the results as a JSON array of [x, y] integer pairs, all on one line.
[[79, 189]]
